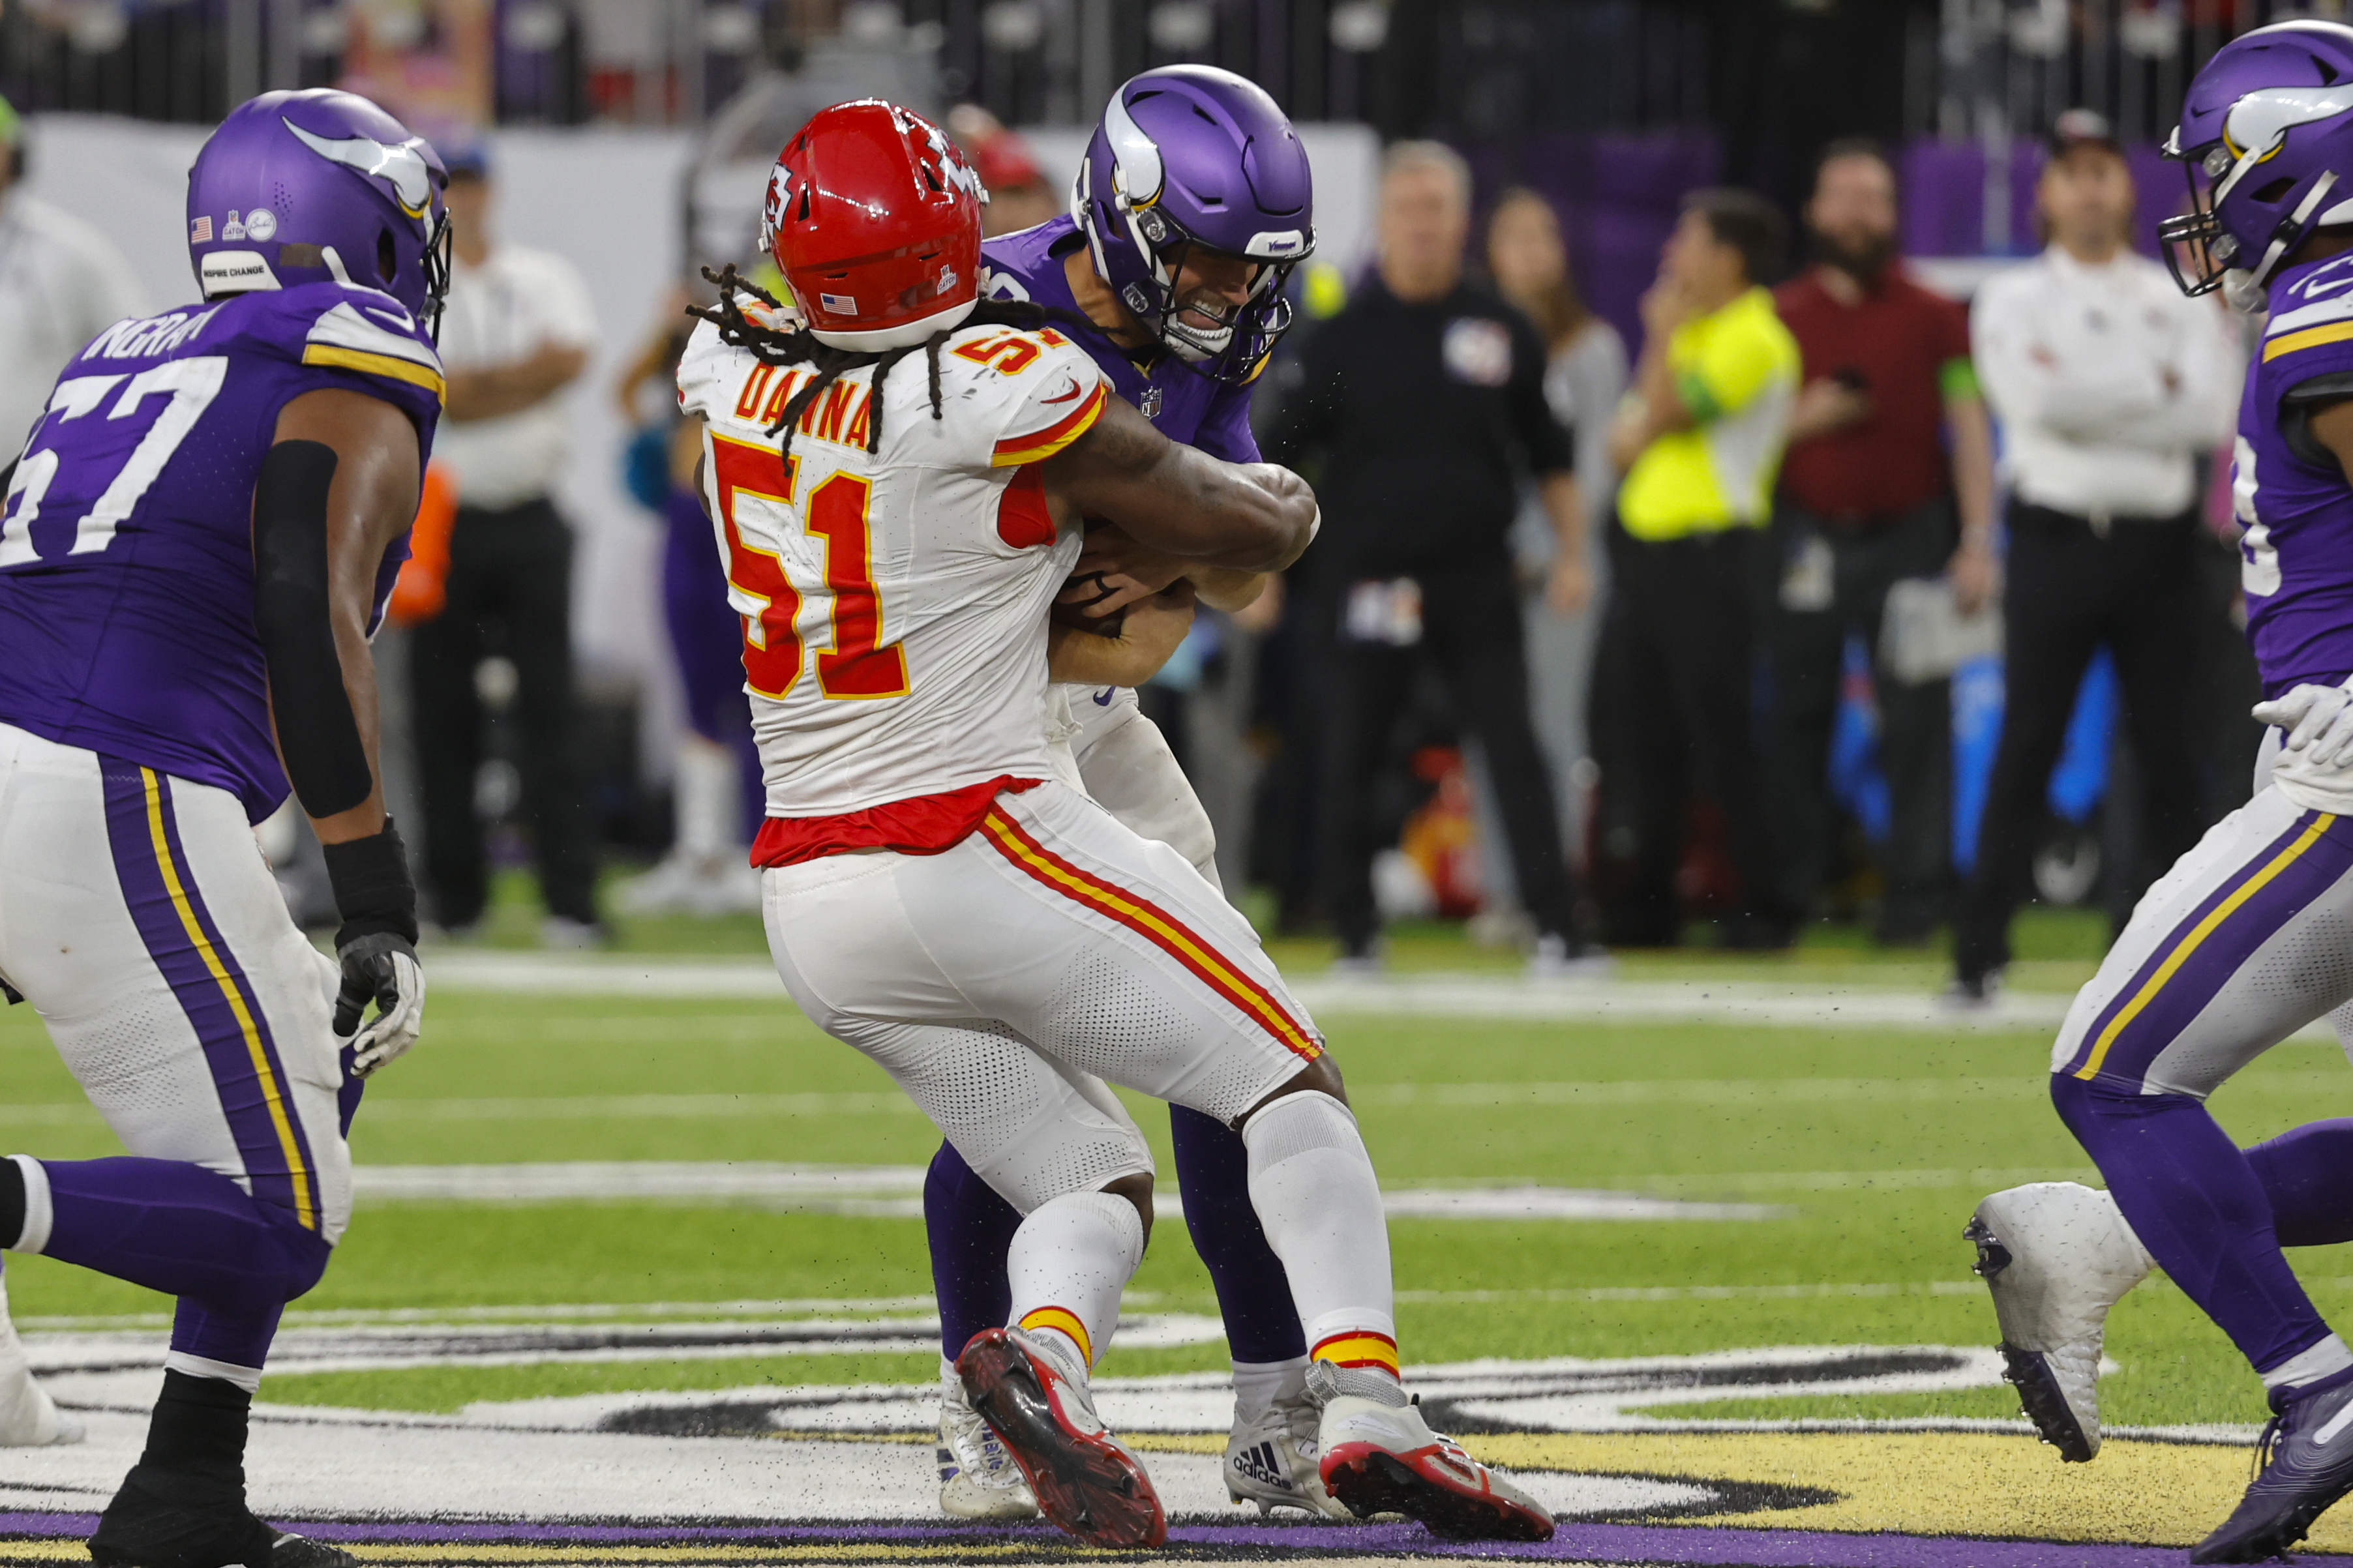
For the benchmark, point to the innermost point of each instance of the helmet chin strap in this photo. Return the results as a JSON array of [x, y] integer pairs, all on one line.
[[2286, 235]]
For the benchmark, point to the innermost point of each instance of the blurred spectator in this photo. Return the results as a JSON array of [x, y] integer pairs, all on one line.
[[1867, 501], [1584, 375], [2106, 382], [515, 333], [1018, 195], [1425, 394], [1699, 438], [60, 283], [716, 796]]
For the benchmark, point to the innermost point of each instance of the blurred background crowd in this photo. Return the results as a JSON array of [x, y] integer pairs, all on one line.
[[1768, 475]]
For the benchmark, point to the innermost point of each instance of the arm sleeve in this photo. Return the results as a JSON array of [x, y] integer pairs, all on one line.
[[1225, 433], [1539, 428], [1957, 375]]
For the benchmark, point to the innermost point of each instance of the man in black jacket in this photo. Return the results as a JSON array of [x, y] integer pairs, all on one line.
[[1425, 398]]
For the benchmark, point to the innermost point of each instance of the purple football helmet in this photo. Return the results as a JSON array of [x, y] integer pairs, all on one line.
[[2266, 139], [1187, 156], [301, 187]]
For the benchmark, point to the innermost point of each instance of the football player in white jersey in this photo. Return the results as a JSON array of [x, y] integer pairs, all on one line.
[[994, 939]]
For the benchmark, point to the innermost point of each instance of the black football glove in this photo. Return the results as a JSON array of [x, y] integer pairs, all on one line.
[[377, 949], [381, 966]]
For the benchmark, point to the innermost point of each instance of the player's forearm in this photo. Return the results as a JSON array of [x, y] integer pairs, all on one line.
[[1223, 588], [1251, 517], [1149, 636]]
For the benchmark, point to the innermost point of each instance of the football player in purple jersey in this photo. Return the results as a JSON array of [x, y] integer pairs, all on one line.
[[2249, 936], [1193, 204], [198, 539]]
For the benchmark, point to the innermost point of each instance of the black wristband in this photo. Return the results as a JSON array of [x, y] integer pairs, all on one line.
[[372, 888]]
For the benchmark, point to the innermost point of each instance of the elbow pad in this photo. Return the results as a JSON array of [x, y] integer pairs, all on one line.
[[293, 613]]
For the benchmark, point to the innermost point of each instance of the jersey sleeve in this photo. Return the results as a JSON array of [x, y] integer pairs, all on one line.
[[1225, 431], [1728, 370], [1055, 394], [359, 339], [705, 363]]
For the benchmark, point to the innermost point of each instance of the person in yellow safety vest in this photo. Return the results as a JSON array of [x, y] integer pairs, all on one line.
[[1699, 439]]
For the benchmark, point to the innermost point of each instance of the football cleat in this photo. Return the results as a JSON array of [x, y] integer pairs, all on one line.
[[145, 1528], [29, 1417], [978, 1479], [2056, 1257], [2305, 1463], [1272, 1461], [1381, 1457], [1085, 1480]]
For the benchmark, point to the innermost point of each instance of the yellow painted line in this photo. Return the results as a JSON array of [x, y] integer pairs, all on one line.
[[1935, 1483]]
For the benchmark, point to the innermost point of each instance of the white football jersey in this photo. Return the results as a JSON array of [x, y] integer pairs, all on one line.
[[894, 603]]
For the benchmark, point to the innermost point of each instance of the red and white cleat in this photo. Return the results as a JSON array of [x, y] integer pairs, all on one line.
[[1084, 1479], [1383, 1459]]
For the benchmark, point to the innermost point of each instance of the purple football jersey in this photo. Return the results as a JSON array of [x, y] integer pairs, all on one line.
[[2290, 493], [126, 546], [1182, 404]]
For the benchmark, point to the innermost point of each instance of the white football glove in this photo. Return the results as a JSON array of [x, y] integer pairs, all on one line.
[[380, 968], [2318, 721]]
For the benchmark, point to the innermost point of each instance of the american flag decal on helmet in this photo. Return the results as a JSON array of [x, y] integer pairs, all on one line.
[[200, 232]]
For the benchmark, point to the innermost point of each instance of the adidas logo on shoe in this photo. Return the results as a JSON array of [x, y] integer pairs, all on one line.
[[1259, 1465]]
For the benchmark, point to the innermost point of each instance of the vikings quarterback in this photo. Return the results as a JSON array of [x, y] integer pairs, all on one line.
[[2245, 941], [198, 538], [1192, 207]]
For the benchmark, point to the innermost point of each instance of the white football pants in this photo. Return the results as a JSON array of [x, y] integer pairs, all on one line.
[[1052, 945], [139, 918]]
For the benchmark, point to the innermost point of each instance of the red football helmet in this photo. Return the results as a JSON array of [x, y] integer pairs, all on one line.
[[873, 216]]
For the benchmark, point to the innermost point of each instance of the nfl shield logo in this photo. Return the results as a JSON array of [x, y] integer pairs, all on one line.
[[1151, 404]]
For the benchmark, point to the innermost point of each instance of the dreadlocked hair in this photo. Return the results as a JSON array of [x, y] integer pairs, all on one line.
[[799, 346]]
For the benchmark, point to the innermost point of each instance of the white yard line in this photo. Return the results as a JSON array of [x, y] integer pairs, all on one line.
[[895, 1191], [1788, 1003]]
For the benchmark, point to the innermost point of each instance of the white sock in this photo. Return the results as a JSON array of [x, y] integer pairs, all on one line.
[[39, 1214], [1068, 1263], [1314, 1187], [1258, 1384], [2325, 1359], [703, 799]]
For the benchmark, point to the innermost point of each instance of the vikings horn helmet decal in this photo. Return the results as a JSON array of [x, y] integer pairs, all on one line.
[[403, 166]]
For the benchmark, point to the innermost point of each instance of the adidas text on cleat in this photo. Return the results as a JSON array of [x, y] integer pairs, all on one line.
[[1271, 1462], [1380, 1457], [978, 1479], [2056, 1256], [145, 1527], [1085, 1480], [2307, 1459]]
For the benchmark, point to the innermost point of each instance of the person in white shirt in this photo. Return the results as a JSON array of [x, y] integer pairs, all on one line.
[[61, 283], [514, 335], [2108, 383]]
